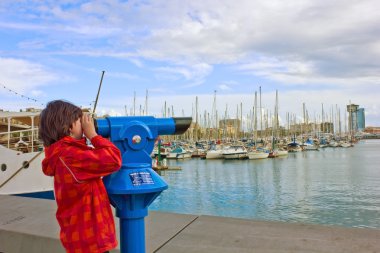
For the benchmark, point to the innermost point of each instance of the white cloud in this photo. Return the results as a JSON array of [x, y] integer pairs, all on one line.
[[24, 76], [191, 76], [224, 87], [303, 72], [137, 62]]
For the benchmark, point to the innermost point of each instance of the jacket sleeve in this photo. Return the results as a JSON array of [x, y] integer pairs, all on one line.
[[90, 163]]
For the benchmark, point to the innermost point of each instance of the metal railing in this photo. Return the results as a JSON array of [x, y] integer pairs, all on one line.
[[21, 140]]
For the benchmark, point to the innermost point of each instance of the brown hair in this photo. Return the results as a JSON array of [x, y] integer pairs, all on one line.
[[56, 120]]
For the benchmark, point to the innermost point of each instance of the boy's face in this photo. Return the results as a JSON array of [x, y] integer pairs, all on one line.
[[76, 130]]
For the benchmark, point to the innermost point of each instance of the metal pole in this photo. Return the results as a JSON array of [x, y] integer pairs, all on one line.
[[97, 95], [129, 242]]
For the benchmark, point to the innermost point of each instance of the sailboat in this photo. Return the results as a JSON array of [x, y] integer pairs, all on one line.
[[235, 152], [275, 152], [215, 152], [294, 146], [256, 153], [179, 152], [310, 145]]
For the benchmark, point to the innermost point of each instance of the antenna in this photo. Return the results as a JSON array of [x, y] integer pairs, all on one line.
[[97, 95]]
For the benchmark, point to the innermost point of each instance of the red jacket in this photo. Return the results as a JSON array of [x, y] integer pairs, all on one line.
[[84, 213]]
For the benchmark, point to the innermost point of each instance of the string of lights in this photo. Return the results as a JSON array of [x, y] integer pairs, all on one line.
[[21, 95], [30, 98]]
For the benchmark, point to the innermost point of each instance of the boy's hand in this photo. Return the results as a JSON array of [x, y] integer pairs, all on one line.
[[88, 126]]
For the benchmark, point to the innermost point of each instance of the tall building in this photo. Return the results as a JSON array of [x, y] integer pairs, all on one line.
[[352, 110], [361, 119], [356, 118]]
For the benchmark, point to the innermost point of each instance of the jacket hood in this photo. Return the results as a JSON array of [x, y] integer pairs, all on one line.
[[53, 152]]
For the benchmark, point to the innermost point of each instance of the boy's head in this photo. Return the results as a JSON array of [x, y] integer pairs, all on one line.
[[56, 120]]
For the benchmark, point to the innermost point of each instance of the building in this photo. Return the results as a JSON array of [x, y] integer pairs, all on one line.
[[327, 127], [352, 110], [372, 130], [361, 119], [356, 118], [231, 127]]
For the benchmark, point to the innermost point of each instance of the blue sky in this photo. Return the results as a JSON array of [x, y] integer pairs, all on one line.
[[312, 52]]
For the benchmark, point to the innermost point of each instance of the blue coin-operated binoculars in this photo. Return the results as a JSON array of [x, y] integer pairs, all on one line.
[[136, 185]]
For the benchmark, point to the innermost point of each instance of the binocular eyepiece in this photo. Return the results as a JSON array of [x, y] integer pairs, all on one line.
[[182, 124]]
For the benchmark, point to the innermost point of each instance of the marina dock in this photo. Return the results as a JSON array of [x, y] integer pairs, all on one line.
[[28, 225]]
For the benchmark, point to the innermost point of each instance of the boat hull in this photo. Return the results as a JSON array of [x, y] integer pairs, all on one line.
[[310, 148], [214, 155], [178, 155], [236, 156], [20, 175], [257, 155], [282, 153]]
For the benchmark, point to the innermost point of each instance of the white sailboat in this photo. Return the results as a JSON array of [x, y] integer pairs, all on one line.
[[215, 152], [276, 152], [256, 154], [235, 152]]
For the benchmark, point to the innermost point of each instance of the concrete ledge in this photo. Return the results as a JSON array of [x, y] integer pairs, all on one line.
[[29, 226], [219, 234]]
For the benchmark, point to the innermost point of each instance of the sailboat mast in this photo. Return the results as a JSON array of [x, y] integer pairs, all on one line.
[[323, 120], [216, 120], [255, 120], [276, 111], [134, 103], [196, 118], [275, 122], [304, 122], [213, 114], [146, 102], [225, 124], [165, 110], [261, 116], [241, 119]]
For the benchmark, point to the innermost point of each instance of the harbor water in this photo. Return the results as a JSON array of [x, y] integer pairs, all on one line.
[[333, 186]]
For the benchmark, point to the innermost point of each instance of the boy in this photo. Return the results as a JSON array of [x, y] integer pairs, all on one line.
[[84, 213]]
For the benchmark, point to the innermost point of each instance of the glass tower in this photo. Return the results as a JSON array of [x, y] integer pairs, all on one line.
[[352, 118], [361, 119]]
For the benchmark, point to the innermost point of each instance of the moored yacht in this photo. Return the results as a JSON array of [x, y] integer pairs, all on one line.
[[215, 152], [310, 145], [294, 147], [257, 154], [179, 153], [235, 152]]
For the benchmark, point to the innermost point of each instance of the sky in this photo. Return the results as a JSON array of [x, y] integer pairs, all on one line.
[[314, 53]]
